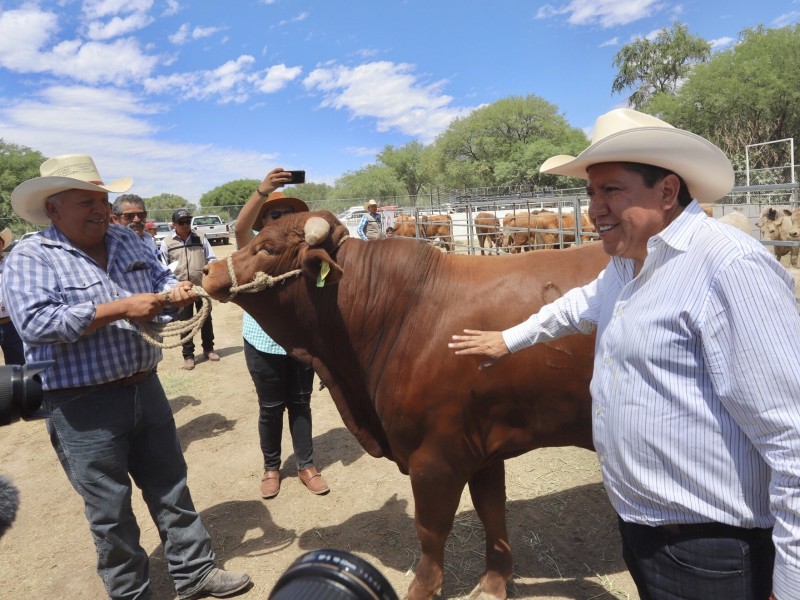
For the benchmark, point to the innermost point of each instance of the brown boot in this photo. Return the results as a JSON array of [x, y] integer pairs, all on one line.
[[314, 481], [270, 484]]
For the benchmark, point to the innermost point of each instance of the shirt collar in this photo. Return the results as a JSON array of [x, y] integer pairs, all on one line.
[[679, 233]]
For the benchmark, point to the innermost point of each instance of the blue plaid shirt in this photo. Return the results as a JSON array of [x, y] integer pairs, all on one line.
[[56, 287], [257, 338]]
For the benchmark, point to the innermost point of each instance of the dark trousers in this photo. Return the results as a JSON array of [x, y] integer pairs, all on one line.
[[206, 332], [699, 562], [11, 344], [282, 383]]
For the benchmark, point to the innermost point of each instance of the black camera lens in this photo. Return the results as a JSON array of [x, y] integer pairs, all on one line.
[[332, 575], [21, 391]]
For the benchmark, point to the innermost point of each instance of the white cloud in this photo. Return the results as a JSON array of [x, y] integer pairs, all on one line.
[[117, 26], [605, 13], [361, 151], [112, 126], [389, 93], [275, 78], [301, 17], [26, 33], [204, 32], [720, 43], [787, 19], [231, 82], [172, 8], [612, 42], [185, 32], [98, 9], [179, 37]]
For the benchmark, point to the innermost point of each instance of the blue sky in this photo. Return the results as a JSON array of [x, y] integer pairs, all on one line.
[[187, 95]]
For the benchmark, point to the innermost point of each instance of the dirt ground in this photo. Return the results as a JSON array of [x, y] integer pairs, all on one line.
[[563, 530]]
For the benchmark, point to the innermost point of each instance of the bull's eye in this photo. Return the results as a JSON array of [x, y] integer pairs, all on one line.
[[269, 251]]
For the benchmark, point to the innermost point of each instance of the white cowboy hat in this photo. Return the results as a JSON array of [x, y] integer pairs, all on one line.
[[625, 135], [6, 236], [65, 172]]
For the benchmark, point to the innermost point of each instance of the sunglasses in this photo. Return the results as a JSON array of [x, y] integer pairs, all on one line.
[[277, 214], [132, 215], [183, 222]]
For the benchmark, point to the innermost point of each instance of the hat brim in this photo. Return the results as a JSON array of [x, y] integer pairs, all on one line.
[[28, 198], [295, 204], [704, 167], [6, 236]]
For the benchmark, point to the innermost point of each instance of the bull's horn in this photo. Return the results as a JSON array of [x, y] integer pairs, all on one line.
[[316, 230]]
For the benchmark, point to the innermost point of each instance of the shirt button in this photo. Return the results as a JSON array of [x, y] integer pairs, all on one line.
[[607, 360], [599, 411]]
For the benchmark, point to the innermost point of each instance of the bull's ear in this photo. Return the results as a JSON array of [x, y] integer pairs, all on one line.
[[319, 265]]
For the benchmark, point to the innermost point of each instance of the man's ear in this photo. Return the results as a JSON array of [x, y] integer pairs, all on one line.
[[670, 188]]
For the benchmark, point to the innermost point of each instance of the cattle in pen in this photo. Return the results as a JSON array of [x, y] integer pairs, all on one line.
[[488, 231]]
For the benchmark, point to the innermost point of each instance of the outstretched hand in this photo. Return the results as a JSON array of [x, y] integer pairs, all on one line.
[[489, 344]]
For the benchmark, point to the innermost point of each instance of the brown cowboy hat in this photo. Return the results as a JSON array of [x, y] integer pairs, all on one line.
[[279, 197]]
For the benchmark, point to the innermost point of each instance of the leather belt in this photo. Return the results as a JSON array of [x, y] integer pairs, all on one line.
[[5, 320], [108, 385], [715, 530]]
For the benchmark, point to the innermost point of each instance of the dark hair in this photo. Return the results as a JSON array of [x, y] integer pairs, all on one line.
[[652, 174], [126, 198]]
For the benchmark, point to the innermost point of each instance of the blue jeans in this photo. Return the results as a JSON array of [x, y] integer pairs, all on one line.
[[103, 436], [680, 566], [206, 331], [282, 383], [11, 344]]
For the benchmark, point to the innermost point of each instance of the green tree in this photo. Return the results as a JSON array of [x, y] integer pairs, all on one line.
[[161, 207], [229, 197], [373, 181], [504, 143], [747, 94], [17, 163], [658, 66], [310, 193], [412, 165]]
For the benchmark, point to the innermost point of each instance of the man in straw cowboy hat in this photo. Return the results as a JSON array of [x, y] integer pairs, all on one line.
[[696, 417], [10, 342], [80, 287], [282, 382]]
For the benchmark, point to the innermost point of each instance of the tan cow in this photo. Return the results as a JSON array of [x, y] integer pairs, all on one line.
[[487, 230], [777, 227], [439, 227]]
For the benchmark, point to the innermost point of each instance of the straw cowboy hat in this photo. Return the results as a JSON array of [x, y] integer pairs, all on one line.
[[65, 172], [294, 203], [625, 135], [6, 236]]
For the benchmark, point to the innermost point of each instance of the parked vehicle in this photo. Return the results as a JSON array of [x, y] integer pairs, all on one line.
[[212, 227], [163, 229], [354, 212]]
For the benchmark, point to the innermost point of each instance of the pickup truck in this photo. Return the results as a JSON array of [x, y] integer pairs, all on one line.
[[212, 227]]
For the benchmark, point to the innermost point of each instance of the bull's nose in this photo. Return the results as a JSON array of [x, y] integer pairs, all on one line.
[[205, 270]]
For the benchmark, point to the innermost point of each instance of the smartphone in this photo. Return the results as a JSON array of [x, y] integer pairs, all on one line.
[[297, 176]]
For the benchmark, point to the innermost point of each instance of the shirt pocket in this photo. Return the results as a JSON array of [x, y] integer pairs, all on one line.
[[82, 287]]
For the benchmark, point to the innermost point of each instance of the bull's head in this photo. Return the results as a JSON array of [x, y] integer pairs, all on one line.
[[303, 243]]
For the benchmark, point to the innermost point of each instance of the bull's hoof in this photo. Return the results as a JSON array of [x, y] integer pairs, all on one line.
[[479, 594]]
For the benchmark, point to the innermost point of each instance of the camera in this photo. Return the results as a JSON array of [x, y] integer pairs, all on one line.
[[297, 176], [332, 575], [21, 392]]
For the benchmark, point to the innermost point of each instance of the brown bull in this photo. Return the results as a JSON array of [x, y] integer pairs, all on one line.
[[438, 227], [487, 229], [405, 226], [376, 333]]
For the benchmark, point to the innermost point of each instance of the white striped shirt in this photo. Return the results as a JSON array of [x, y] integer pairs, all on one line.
[[696, 385]]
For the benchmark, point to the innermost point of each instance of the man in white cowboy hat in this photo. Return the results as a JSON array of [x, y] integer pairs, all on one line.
[[370, 227], [80, 287], [696, 380], [10, 342], [282, 383]]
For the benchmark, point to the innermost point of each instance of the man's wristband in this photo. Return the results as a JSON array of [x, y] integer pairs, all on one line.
[[262, 194]]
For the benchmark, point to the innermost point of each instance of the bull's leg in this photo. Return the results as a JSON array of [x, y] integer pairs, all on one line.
[[482, 241], [436, 497], [488, 490]]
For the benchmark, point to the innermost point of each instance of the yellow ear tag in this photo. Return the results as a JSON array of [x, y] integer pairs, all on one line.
[[324, 269]]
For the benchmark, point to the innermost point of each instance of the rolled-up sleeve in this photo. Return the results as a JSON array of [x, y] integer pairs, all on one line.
[[48, 307]]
